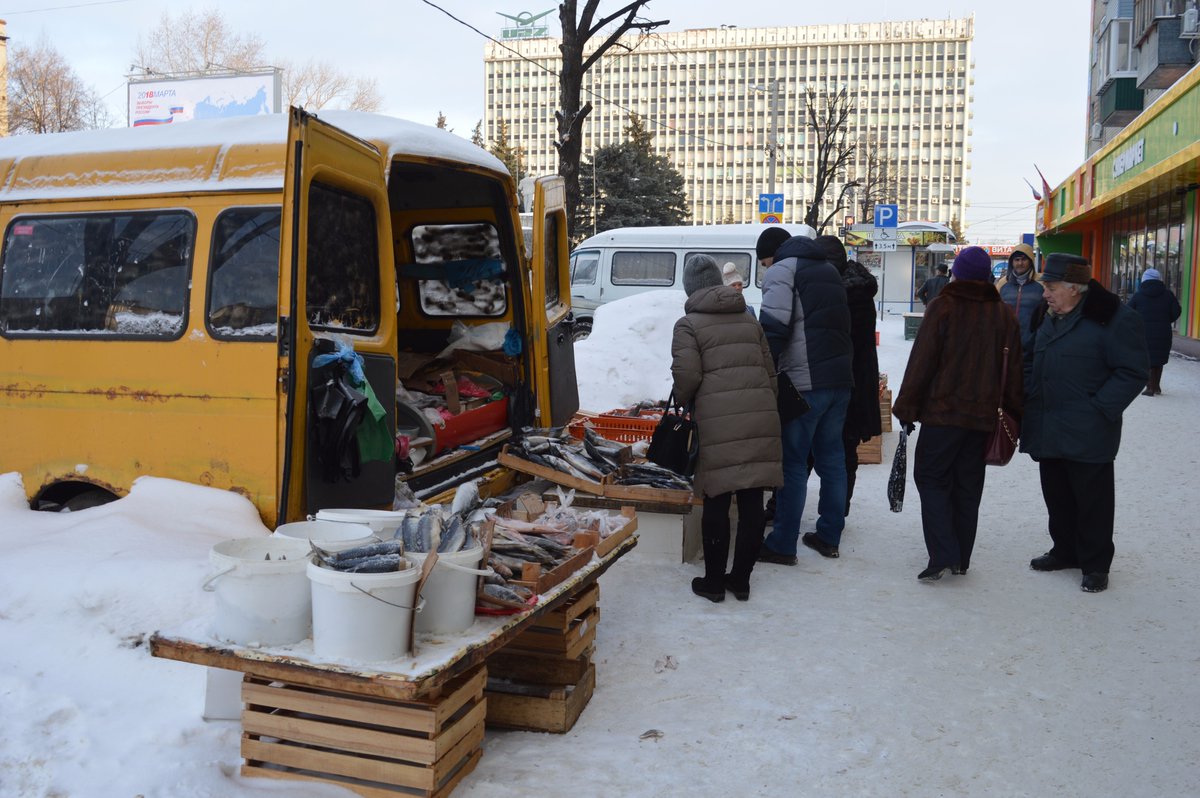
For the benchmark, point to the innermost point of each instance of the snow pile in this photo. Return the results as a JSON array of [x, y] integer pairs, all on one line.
[[627, 357]]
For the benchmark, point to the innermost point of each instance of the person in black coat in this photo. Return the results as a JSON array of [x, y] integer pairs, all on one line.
[[933, 285], [1087, 364], [1159, 310], [862, 416]]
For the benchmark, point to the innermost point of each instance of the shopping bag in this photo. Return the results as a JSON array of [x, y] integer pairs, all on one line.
[[899, 475], [675, 444]]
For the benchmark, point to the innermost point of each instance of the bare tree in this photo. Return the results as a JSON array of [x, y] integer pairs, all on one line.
[[828, 115], [317, 84], [46, 96], [578, 29], [878, 175], [203, 41], [196, 41]]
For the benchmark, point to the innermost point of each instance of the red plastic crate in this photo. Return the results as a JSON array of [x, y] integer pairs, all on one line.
[[622, 429], [471, 425]]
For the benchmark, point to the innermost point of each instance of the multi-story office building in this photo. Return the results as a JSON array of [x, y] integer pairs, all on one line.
[[1132, 205], [707, 95]]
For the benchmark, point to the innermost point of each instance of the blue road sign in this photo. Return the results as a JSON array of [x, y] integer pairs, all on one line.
[[770, 203], [887, 215]]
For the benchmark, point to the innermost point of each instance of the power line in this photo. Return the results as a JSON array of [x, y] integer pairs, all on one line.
[[62, 8]]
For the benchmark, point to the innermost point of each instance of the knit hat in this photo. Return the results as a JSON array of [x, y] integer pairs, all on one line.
[[1061, 267], [835, 253], [973, 263], [769, 241], [731, 275], [1151, 274], [700, 271]]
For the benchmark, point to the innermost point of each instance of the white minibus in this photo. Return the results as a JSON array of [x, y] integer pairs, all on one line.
[[628, 260]]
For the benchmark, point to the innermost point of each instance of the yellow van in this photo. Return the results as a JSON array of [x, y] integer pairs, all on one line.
[[166, 295]]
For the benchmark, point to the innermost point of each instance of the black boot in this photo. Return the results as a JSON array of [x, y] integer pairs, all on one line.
[[714, 531], [751, 525]]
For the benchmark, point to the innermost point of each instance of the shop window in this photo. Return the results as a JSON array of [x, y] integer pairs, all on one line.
[[120, 274]]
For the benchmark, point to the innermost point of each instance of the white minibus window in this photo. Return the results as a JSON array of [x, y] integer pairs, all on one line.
[[643, 268], [584, 266], [117, 274], [739, 259], [343, 262]]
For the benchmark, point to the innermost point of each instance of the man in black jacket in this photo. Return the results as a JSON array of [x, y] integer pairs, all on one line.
[[1086, 364], [806, 318], [933, 286]]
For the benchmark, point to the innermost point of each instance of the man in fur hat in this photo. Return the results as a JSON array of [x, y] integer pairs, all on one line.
[[1086, 364]]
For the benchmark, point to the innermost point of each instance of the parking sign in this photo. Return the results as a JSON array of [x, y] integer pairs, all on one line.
[[887, 215]]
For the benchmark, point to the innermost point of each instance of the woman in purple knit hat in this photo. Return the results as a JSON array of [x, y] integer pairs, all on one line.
[[952, 388]]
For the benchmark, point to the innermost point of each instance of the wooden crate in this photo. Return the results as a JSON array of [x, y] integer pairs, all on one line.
[[373, 746], [871, 451], [543, 679], [506, 458], [885, 409]]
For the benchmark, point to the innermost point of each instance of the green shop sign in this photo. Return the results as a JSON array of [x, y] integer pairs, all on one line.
[[1172, 130]]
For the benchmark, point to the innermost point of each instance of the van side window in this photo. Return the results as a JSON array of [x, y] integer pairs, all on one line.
[[244, 277], [120, 274], [739, 259], [643, 268], [584, 266], [550, 275], [343, 261], [459, 269]]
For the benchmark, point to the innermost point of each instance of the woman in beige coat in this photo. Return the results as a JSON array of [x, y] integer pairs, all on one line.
[[721, 365]]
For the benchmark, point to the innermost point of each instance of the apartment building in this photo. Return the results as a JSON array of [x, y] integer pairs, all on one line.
[[711, 96], [1133, 204]]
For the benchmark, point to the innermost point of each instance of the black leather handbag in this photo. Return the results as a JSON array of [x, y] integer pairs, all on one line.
[[675, 444]]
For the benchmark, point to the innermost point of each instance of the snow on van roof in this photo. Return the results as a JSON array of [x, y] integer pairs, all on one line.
[[690, 235], [243, 153]]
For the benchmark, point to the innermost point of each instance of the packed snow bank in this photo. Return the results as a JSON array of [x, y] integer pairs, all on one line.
[[627, 358]]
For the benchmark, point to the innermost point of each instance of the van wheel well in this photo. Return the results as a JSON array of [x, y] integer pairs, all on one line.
[[72, 497]]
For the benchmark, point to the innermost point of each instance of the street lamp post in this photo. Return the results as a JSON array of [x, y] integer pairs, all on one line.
[[772, 86]]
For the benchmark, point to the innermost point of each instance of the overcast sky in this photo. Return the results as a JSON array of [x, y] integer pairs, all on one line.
[[1031, 62]]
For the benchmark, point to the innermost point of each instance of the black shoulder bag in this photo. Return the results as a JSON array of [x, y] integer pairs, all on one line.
[[675, 444]]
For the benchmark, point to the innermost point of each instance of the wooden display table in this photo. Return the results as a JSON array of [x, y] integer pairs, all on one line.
[[411, 726]]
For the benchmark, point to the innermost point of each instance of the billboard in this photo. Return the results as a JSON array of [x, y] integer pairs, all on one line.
[[166, 100]]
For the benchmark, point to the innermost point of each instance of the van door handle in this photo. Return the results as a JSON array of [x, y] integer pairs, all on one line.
[[562, 338]]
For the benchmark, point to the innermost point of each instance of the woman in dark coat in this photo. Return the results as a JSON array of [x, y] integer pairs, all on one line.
[[1159, 310], [721, 363], [862, 415], [952, 387]]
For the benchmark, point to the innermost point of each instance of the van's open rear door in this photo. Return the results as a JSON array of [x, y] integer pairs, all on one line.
[[337, 282], [554, 351]]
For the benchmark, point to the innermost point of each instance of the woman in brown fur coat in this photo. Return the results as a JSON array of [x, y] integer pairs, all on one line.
[[952, 387]]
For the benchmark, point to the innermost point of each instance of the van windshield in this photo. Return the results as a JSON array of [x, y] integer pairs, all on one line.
[[120, 274]]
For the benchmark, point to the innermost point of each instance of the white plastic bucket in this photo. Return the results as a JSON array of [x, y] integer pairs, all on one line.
[[449, 592], [382, 522], [263, 598], [329, 535], [366, 617]]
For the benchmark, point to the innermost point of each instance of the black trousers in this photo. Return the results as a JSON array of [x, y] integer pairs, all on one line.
[[1080, 500], [714, 531], [949, 471]]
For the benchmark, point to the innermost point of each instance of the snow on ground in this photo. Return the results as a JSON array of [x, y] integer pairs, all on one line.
[[838, 678]]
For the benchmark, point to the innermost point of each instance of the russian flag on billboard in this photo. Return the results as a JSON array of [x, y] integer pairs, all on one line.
[[176, 109], [144, 122]]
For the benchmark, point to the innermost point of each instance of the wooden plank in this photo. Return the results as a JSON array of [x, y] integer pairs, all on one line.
[[336, 763], [569, 645], [340, 736], [561, 619], [615, 539], [637, 493], [416, 719], [557, 575], [557, 477], [454, 455], [541, 714], [461, 692], [368, 791], [520, 667], [459, 729]]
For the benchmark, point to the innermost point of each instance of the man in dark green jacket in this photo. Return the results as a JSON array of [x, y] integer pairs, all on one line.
[[1087, 364]]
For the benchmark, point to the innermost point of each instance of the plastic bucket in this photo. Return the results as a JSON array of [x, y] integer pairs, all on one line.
[[263, 598], [366, 617], [329, 535], [382, 522], [449, 592]]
